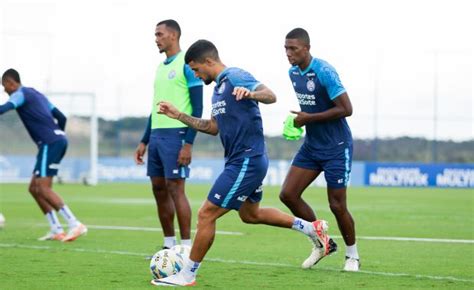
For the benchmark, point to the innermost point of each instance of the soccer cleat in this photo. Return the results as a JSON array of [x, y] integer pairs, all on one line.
[[75, 233], [317, 254], [173, 281], [352, 264], [52, 237], [323, 245]]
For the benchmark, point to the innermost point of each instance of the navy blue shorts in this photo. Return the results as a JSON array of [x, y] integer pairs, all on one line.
[[163, 152], [335, 163], [48, 158], [241, 180]]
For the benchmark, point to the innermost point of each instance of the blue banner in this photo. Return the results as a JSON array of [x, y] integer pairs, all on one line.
[[419, 175]]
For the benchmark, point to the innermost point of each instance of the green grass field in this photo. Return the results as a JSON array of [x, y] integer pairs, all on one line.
[[259, 257]]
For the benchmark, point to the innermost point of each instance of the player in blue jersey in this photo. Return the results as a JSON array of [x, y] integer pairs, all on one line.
[[328, 144], [45, 124], [236, 118], [170, 141]]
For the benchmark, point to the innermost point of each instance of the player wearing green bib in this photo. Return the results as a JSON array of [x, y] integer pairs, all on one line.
[[169, 141]]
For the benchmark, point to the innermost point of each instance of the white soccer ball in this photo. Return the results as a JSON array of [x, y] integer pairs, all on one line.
[[165, 263], [2, 221], [183, 251]]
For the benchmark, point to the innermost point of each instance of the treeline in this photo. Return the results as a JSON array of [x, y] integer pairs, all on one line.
[[120, 138]]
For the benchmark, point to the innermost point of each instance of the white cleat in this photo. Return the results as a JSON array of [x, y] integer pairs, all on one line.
[[323, 245], [50, 236], [352, 264], [75, 233], [173, 281]]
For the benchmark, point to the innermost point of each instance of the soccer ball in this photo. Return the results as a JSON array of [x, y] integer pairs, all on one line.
[[165, 263], [2, 221], [182, 250]]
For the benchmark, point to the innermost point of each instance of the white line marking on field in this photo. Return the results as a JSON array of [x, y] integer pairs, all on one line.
[[218, 260], [406, 239], [124, 228]]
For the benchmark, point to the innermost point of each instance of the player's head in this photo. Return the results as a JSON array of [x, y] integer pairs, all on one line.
[[167, 33], [202, 56], [11, 81], [297, 46]]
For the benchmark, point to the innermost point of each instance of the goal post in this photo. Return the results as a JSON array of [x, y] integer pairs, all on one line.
[[78, 107]]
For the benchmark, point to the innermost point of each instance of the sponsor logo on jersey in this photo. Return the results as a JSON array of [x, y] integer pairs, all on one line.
[[310, 85], [218, 108], [306, 99], [221, 88]]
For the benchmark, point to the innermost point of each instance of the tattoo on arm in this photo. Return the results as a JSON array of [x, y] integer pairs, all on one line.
[[263, 95], [202, 125]]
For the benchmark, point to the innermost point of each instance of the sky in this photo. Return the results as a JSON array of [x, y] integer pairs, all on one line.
[[407, 65]]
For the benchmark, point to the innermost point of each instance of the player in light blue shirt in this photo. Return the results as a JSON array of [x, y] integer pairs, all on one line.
[[324, 107], [236, 118]]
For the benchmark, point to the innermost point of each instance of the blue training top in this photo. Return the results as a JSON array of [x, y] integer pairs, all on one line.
[[239, 122], [316, 87], [34, 110]]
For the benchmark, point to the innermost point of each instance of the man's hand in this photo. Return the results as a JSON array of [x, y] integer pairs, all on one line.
[[184, 157], [139, 152], [168, 109], [241, 93], [301, 118]]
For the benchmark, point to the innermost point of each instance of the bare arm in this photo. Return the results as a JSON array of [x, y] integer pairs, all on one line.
[[261, 94], [202, 125], [342, 108]]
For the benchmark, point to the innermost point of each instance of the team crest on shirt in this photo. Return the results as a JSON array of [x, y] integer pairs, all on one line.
[[310, 85], [221, 88], [171, 74]]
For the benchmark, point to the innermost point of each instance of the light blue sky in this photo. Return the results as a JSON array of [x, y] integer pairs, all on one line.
[[383, 48]]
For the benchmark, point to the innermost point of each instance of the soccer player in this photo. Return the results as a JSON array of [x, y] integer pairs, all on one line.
[[170, 141], [328, 144], [45, 124], [236, 118]]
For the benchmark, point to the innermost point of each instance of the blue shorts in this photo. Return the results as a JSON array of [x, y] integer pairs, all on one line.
[[163, 152], [48, 158], [336, 163], [241, 180]]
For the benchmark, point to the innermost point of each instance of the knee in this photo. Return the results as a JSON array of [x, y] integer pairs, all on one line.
[[337, 207], [249, 218], [204, 216], [32, 190], [286, 197]]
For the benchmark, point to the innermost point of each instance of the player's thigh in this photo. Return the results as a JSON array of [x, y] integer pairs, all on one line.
[[154, 163], [175, 186], [298, 179], [49, 157], [168, 150], [240, 181], [337, 168]]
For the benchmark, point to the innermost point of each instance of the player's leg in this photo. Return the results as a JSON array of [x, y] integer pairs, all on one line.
[[337, 172], [304, 170], [206, 231], [176, 189], [296, 181], [56, 231], [53, 154], [164, 202], [165, 210]]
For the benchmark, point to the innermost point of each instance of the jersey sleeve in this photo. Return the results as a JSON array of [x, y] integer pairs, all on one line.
[[17, 99], [330, 80], [241, 78], [191, 78]]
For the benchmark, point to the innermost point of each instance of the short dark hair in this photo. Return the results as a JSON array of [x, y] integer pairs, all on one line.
[[170, 23], [201, 49], [11, 73], [299, 33]]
